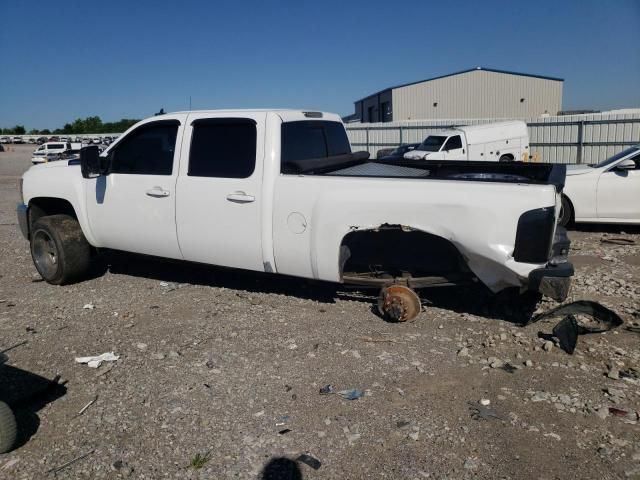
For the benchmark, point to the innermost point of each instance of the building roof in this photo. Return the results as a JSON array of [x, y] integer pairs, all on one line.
[[507, 72]]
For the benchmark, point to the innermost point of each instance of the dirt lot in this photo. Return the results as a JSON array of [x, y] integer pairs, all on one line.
[[223, 363]]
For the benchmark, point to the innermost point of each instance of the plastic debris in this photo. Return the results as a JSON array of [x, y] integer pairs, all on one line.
[[310, 461], [507, 367], [618, 240], [96, 361], [483, 412], [89, 306], [284, 431], [568, 329], [327, 390], [351, 394]]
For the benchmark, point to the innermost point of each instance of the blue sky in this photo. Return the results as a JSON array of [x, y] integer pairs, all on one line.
[[68, 59]]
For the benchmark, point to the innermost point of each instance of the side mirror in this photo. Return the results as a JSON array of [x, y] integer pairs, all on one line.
[[90, 164], [627, 164]]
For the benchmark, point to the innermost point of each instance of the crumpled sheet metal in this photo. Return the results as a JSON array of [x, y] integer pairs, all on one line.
[[568, 329]]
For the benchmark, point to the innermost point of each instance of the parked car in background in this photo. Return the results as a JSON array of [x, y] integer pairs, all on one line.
[[608, 192], [96, 140], [50, 151], [5, 140], [398, 152], [31, 140], [54, 139], [41, 140], [17, 140], [501, 141]]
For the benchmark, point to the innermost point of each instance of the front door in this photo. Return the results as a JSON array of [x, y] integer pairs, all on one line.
[[619, 193], [452, 149], [133, 207], [219, 190]]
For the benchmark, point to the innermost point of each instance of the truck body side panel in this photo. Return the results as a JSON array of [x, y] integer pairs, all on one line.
[[312, 214]]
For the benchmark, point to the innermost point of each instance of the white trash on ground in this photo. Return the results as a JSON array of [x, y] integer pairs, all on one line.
[[95, 362]]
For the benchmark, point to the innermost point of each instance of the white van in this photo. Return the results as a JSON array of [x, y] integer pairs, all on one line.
[[50, 151], [490, 142]]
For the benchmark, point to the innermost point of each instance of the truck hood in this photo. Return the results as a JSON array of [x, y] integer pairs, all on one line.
[[51, 164], [416, 155], [578, 169]]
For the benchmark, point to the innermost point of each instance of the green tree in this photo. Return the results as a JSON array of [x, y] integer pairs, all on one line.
[[34, 131], [46, 131], [19, 130]]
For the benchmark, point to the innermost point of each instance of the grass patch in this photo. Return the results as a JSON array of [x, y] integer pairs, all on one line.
[[199, 460]]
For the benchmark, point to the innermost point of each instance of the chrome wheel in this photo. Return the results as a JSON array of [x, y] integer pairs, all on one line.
[[45, 254]]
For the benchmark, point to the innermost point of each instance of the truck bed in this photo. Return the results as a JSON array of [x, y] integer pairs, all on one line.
[[357, 165]]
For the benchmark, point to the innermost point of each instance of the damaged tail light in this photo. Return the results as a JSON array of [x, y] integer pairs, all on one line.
[[534, 235]]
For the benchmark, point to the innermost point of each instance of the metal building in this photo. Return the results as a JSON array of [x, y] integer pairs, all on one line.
[[475, 93]]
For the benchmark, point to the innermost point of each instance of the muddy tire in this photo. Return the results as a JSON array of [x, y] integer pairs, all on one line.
[[566, 212], [59, 250], [506, 158], [8, 428]]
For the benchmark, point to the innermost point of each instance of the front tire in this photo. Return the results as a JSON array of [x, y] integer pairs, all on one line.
[[566, 212], [59, 250], [8, 428], [506, 158]]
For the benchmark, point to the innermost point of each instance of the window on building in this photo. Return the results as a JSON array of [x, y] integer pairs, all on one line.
[[386, 111]]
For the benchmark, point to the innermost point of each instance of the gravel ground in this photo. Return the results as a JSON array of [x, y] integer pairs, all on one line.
[[229, 365]]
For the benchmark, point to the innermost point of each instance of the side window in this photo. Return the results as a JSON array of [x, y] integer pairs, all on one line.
[[302, 141], [148, 150], [311, 139], [224, 148], [453, 143]]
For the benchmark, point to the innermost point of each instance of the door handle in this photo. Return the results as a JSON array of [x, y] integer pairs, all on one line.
[[240, 197], [158, 192]]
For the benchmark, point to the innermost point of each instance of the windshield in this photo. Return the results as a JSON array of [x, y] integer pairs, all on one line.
[[617, 157], [432, 143]]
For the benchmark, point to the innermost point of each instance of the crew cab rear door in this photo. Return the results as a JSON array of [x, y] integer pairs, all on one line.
[[133, 207], [219, 190]]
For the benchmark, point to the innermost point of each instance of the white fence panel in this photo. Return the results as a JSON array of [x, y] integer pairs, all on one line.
[[567, 139]]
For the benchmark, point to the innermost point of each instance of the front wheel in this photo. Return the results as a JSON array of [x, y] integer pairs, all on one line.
[[506, 158], [60, 252], [566, 212]]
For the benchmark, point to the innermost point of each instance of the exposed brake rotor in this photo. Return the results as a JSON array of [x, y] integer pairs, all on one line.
[[398, 303]]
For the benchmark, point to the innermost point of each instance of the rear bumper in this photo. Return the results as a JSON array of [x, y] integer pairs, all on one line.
[[23, 220], [554, 280]]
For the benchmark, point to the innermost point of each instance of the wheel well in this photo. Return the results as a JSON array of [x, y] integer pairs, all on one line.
[[392, 251], [42, 206], [508, 156]]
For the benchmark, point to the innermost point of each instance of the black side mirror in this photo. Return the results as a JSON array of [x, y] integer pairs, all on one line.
[[90, 162]]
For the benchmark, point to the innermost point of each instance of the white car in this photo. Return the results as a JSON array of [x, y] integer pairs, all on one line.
[[608, 192]]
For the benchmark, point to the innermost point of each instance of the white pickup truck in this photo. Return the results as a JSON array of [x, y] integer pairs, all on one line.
[[280, 191], [499, 141]]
